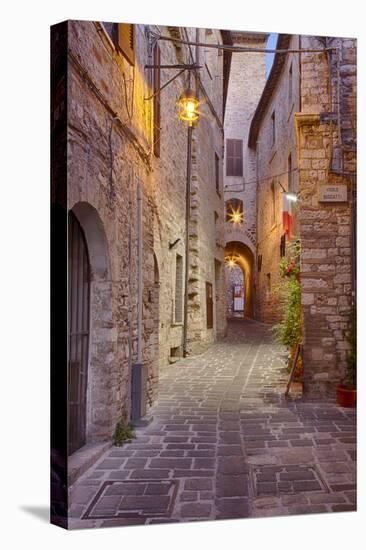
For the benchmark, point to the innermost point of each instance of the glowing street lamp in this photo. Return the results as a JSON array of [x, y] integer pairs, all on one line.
[[188, 106], [231, 261]]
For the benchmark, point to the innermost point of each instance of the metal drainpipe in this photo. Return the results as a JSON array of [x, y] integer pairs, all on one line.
[[137, 371], [129, 297], [255, 274], [139, 272], [188, 209]]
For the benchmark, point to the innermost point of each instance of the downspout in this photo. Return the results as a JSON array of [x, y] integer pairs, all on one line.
[[138, 372], [255, 274], [188, 208], [129, 297], [139, 272]]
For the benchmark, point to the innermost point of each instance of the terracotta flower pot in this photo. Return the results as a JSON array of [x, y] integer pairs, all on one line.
[[346, 397]]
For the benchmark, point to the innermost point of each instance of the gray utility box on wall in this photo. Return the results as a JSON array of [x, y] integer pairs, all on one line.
[[138, 398]]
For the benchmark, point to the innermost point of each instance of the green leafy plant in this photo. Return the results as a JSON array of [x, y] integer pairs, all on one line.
[[123, 432], [289, 331], [351, 373]]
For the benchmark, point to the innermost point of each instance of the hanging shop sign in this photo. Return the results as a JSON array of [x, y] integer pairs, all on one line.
[[333, 193], [238, 298]]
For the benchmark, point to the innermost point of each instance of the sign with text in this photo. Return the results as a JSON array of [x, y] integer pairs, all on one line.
[[333, 193]]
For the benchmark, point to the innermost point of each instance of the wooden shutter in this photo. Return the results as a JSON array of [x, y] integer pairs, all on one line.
[[234, 157], [157, 117], [126, 41], [229, 157], [217, 173], [238, 157], [209, 305]]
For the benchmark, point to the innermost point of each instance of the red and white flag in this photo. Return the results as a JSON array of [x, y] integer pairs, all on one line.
[[287, 218]]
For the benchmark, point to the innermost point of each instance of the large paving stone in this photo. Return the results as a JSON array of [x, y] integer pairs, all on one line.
[[232, 508], [231, 485]]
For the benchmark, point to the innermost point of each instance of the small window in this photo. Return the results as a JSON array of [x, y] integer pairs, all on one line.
[[123, 37], [234, 157], [156, 105], [178, 309], [112, 31], [260, 258], [234, 211], [289, 173], [273, 129], [273, 202], [209, 305], [290, 85], [216, 218], [126, 41], [217, 173]]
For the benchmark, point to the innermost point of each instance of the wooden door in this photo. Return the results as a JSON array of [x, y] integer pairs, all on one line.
[[78, 327]]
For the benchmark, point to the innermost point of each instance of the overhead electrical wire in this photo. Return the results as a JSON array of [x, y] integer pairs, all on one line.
[[239, 49], [257, 181]]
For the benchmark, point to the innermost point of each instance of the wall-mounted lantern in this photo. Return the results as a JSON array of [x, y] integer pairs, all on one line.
[[188, 106]]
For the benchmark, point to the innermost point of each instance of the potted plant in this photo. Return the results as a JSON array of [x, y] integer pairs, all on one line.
[[347, 391]]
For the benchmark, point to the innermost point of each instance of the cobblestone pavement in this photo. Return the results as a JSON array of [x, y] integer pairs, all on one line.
[[224, 443]]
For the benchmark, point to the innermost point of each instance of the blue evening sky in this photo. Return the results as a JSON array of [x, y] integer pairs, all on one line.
[[271, 44]]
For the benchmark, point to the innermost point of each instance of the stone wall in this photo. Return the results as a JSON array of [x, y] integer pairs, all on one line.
[[318, 129], [206, 227], [272, 171], [326, 227], [111, 160], [107, 157]]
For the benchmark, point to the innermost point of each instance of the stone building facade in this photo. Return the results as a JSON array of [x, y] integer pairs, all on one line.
[[126, 195], [247, 79], [304, 134]]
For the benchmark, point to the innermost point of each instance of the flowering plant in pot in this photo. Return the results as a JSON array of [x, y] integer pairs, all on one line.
[[347, 391]]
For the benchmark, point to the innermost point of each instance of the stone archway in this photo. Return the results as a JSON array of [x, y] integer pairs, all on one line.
[[240, 255], [101, 403]]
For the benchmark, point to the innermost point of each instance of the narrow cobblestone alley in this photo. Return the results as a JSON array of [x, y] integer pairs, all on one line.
[[224, 443]]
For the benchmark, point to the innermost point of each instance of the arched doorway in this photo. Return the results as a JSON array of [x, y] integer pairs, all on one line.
[[78, 326], [94, 404], [239, 260]]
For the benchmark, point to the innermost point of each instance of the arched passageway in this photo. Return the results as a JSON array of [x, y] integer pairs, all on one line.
[[239, 261]]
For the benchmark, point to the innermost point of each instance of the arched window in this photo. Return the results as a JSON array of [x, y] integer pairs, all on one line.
[[234, 211]]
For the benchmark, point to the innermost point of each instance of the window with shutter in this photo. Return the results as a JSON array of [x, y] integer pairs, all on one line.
[[234, 157], [178, 303], [209, 305], [156, 107], [126, 41], [273, 202], [217, 173], [273, 123], [290, 85], [289, 173]]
